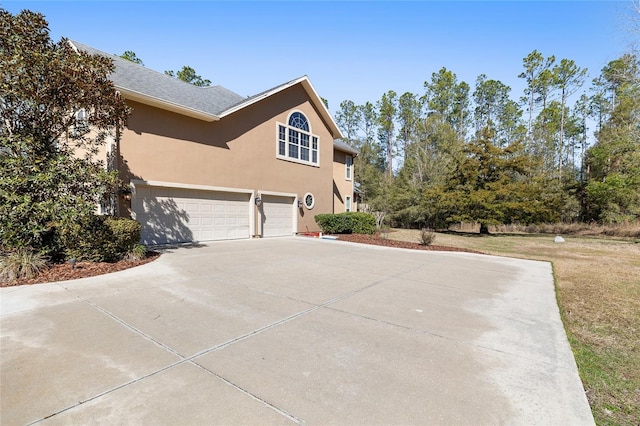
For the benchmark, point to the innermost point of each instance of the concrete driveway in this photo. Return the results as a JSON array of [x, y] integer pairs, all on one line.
[[292, 330]]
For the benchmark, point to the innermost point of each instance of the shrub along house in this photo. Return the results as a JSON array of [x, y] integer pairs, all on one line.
[[205, 163]]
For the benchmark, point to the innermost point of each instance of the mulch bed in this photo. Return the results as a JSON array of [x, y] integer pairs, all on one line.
[[64, 271], [379, 241]]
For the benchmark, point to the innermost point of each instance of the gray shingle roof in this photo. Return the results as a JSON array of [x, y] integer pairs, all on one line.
[[338, 144], [137, 78], [208, 103]]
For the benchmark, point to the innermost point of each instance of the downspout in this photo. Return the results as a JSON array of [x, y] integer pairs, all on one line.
[[117, 166]]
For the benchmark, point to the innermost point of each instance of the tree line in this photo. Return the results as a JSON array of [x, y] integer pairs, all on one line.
[[460, 153]]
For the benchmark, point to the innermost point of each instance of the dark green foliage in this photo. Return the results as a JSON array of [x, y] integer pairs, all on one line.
[[188, 75], [346, 223], [612, 193], [50, 182], [125, 235], [99, 238]]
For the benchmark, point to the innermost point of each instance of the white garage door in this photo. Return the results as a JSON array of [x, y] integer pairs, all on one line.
[[277, 216], [174, 215]]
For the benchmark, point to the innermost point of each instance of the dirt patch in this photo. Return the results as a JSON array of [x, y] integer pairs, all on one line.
[[64, 271], [387, 242]]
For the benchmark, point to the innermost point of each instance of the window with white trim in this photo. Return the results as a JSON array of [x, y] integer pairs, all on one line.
[[309, 200], [348, 166], [296, 142], [347, 204]]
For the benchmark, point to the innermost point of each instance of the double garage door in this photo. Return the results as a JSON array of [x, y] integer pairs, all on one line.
[[175, 215]]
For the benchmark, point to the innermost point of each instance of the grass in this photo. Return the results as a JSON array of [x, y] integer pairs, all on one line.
[[598, 291], [20, 264]]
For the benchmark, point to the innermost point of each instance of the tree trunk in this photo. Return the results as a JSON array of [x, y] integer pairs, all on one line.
[[484, 229]]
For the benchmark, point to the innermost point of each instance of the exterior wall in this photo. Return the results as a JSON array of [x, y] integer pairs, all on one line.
[[105, 153], [239, 151], [342, 187]]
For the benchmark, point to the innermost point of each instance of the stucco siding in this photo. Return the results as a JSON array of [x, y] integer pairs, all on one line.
[[343, 188], [238, 151]]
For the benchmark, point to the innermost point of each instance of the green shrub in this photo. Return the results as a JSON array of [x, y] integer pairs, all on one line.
[[99, 238], [82, 238], [126, 235], [138, 252], [21, 264], [346, 223]]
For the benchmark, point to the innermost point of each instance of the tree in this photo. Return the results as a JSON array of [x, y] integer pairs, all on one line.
[[188, 75], [490, 186], [131, 56], [387, 112], [534, 66], [448, 98], [612, 193], [408, 115], [568, 77], [54, 103], [494, 109], [368, 120], [348, 118]]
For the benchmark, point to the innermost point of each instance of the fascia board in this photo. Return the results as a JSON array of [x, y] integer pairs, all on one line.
[[155, 183], [306, 84], [166, 105]]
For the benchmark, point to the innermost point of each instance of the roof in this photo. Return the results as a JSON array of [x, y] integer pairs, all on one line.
[[341, 146], [144, 85]]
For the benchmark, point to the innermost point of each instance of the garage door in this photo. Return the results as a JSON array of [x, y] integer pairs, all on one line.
[[277, 216], [174, 215]]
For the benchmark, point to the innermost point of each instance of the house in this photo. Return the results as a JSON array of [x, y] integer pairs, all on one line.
[[205, 163]]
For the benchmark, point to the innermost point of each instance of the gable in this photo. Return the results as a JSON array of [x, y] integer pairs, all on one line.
[[138, 83]]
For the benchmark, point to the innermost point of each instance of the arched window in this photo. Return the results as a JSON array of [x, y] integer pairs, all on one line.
[[299, 121], [296, 142]]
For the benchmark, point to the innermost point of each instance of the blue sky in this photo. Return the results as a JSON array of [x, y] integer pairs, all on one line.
[[350, 50]]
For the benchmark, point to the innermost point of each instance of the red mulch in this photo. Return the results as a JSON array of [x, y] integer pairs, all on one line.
[[64, 271], [378, 241]]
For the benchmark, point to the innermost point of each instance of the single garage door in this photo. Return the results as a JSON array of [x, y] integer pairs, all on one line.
[[175, 215], [277, 216]]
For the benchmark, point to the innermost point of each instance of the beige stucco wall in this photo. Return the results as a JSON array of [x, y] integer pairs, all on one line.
[[342, 187], [239, 151]]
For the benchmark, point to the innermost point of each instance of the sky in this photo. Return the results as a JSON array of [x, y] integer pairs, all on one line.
[[354, 50]]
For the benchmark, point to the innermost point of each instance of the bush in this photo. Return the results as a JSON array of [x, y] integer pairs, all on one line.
[[126, 236], [21, 264], [99, 238], [427, 237], [346, 223], [138, 252]]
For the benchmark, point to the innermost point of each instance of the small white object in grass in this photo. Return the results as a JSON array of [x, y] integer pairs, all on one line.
[[558, 239]]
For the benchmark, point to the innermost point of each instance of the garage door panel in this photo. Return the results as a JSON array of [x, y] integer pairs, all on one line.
[[171, 215], [277, 216]]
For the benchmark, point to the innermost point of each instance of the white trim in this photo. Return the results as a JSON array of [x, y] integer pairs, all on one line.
[[294, 206], [166, 105], [305, 117], [316, 100], [251, 204], [313, 203], [286, 142], [348, 168], [277, 194], [294, 213], [141, 182], [348, 203]]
